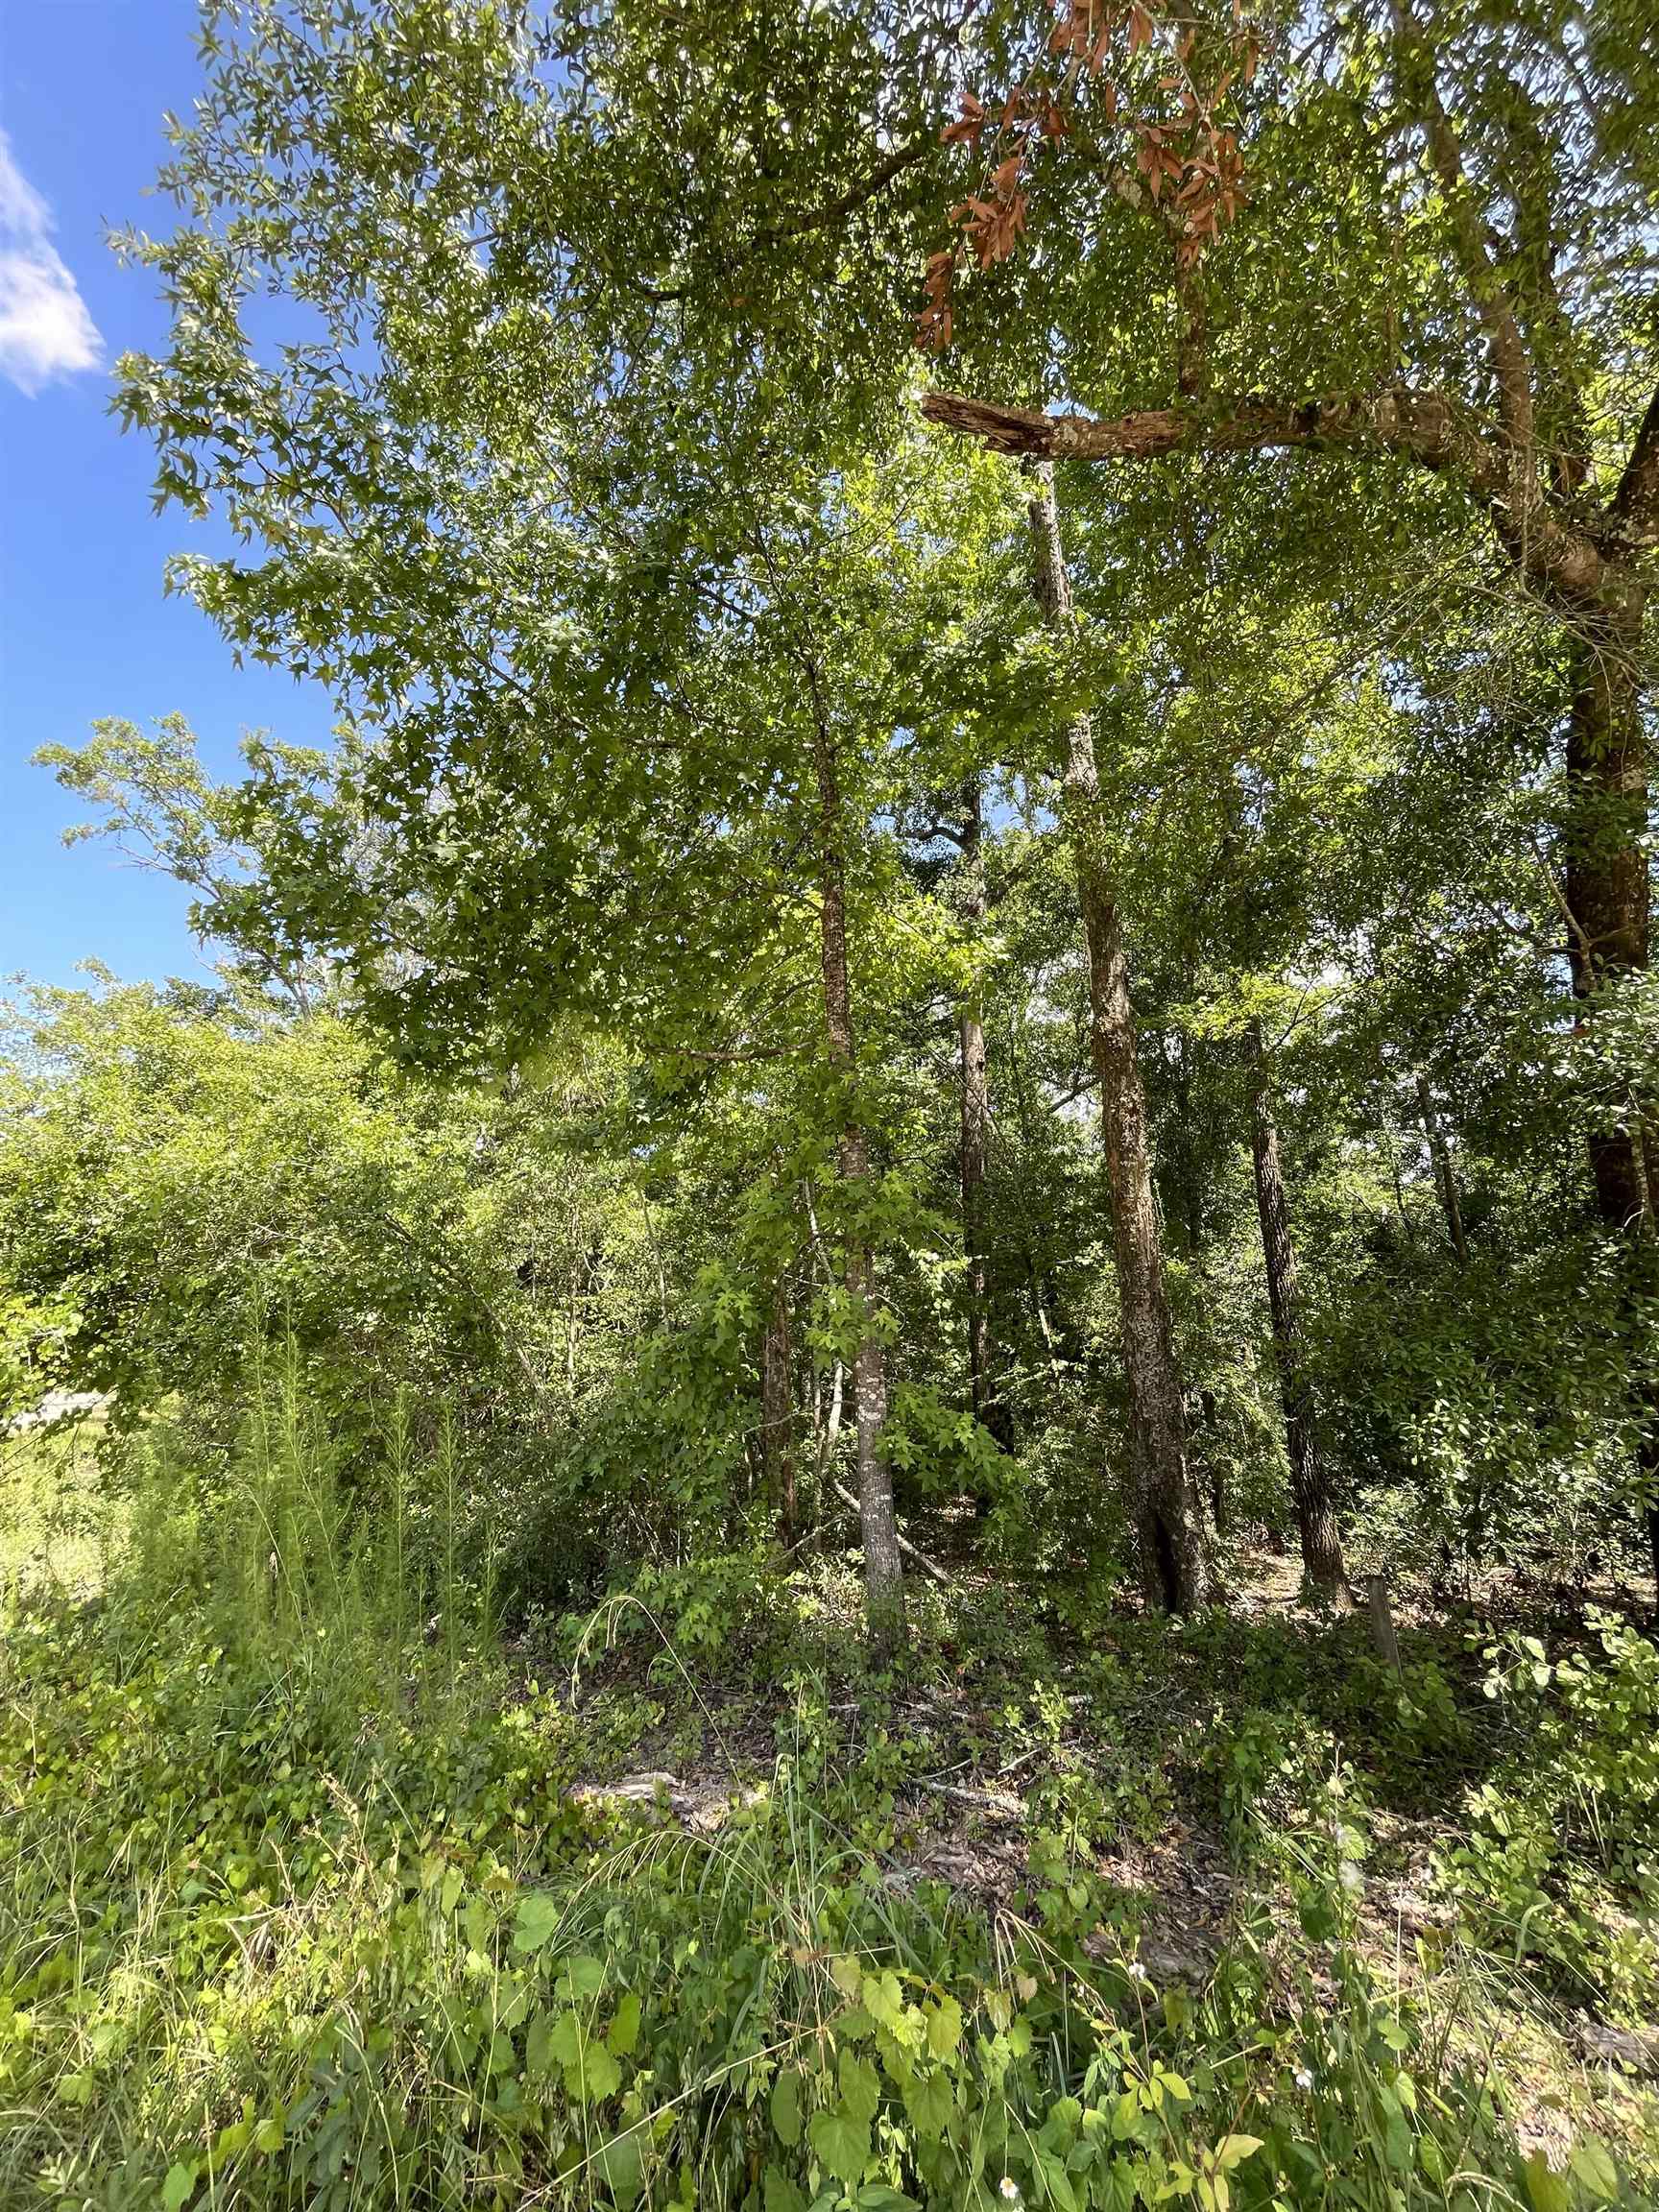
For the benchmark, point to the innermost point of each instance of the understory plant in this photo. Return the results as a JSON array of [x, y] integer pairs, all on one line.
[[1560, 1865]]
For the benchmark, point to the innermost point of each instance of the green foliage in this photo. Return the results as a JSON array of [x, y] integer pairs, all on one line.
[[202, 1178], [475, 2008], [1558, 1865], [38, 1334], [574, 1185], [724, 1605]]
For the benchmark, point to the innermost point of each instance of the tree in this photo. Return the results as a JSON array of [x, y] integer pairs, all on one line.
[[1316, 1512], [596, 494], [207, 1176], [1572, 501], [1511, 362], [1173, 1568]]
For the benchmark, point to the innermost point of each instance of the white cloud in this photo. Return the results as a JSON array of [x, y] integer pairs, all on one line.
[[46, 330]]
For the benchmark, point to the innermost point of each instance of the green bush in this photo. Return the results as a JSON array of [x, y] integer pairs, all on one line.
[[1561, 1862]]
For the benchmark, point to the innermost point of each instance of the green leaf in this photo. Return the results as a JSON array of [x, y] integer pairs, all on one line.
[[1233, 2151], [623, 2032], [618, 2164], [860, 2087], [177, 2188], [1056, 2181], [786, 2109], [781, 2193], [540, 2052], [564, 2042], [1545, 2189], [840, 2144], [1592, 2162], [595, 2076], [945, 2028], [537, 1923], [930, 2099], [846, 1975], [584, 1975]]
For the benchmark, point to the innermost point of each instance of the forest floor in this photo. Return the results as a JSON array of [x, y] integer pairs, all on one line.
[[1256, 1834], [1118, 1736]]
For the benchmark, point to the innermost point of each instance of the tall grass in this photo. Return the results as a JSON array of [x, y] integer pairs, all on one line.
[[342, 1577]]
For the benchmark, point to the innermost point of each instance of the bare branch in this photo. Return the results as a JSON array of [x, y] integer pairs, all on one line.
[[846, 203], [905, 1543], [801, 221], [1422, 423]]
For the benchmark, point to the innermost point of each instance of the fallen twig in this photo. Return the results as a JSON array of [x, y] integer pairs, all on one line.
[[906, 1545]]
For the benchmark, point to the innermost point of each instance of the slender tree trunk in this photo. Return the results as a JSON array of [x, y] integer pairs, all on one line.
[[878, 1529], [1310, 1489], [1218, 1466], [1189, 1188], [777, 1423], [1608, 898], [1651, 1161], [1022, 1089], [1173, 1566], [977, 1143], [1445, 1174], [829, 1433]]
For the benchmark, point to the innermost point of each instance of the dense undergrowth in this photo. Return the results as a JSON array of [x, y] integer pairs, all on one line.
[[311, 1891]]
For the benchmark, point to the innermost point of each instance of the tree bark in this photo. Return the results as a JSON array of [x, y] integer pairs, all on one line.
[[1606, 866], [1310, 1489], [1445, 1174], [1173, 1566], [1383, 1637], [878, 1529], [1608, 899], [976, 1141], [777, 1423]]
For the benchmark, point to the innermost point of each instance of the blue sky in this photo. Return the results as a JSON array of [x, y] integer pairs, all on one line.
[[85, 630]]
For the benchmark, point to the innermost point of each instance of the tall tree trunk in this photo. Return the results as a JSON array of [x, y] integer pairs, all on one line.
[[570, 1323], [776, 1424], [877, 1527], [976, 1141], [1608, 899], [1173, 1565], [1445, 1174], [1310, 1490], [1607, 895]]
